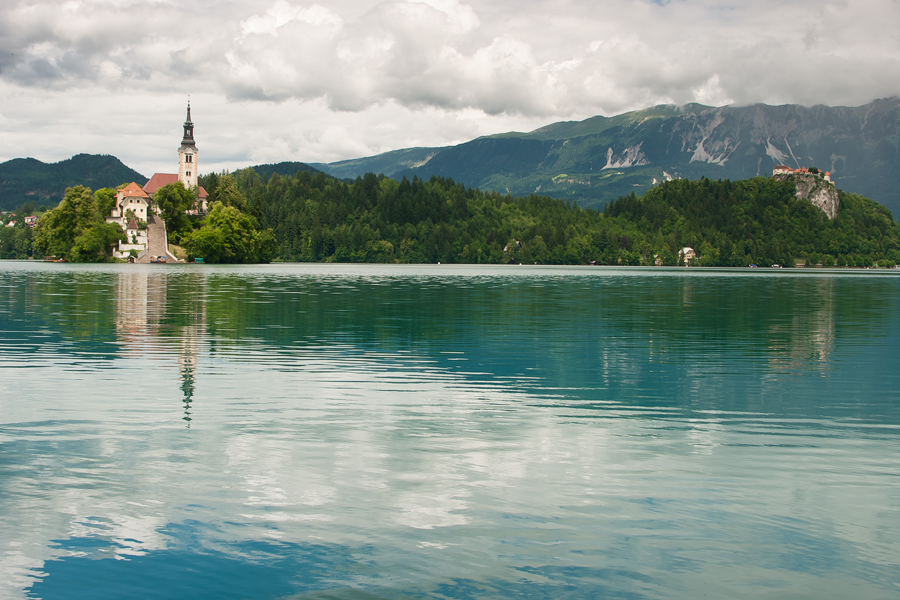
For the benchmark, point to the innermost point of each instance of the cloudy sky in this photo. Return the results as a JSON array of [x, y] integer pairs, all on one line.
[[272, 80]]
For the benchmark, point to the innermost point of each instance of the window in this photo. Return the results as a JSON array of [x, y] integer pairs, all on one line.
[[188, 158], [187, 173]]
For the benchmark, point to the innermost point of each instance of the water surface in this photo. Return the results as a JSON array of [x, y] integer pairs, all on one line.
[[317, 431]]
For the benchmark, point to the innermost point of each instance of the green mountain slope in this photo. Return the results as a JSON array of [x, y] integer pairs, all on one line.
[[389, 162], [601, 158], [283, 169], [30, 180]]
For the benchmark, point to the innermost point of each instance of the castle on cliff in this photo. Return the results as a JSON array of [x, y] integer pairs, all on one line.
[[783, 170], [808, 185]]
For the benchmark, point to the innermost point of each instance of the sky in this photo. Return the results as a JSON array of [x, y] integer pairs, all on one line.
[[272, 80]]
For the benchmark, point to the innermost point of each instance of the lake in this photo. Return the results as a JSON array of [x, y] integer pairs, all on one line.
[[401, 432]]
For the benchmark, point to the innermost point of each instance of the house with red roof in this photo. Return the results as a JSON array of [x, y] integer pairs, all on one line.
[[131, 198]]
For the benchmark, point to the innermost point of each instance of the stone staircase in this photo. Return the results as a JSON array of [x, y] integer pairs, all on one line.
[[157, 241]]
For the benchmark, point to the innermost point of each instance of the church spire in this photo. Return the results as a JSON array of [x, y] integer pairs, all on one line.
[[187, 155], [188, 139]]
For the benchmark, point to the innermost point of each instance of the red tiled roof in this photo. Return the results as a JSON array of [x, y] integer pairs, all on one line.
[[132, 224], [158, 180], [132, 189]]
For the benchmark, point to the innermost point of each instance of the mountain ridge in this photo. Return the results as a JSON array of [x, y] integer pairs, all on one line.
[[601, 158]]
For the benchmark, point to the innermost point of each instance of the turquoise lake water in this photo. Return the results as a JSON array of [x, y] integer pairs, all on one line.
[[364, 432]]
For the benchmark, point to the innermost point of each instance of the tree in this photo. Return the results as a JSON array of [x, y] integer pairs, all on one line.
[[57, 229], [96, 243], [75, 229], [106, 200], [229, 236], [207, 243], [15, 242], [228, 193], [171, 203]]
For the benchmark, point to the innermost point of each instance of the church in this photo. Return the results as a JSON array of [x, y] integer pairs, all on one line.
[[151, 243]]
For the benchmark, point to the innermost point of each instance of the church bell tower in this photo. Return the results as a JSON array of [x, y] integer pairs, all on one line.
[[187, 154]]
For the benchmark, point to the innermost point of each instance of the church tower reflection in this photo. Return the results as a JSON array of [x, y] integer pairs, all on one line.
[[189, 344], [160, 315]]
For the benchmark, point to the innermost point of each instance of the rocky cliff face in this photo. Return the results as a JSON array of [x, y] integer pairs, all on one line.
[[814, 188]]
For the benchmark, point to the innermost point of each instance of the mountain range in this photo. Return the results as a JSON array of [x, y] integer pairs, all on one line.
[[590, 162], [601, 158]]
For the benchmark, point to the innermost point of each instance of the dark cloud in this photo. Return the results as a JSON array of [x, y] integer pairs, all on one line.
[[528, 61]]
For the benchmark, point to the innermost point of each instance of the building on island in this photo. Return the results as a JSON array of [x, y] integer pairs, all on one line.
[[134, 204], [130, 198]]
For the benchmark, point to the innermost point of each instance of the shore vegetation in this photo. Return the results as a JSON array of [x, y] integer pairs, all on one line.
[[316, 218]]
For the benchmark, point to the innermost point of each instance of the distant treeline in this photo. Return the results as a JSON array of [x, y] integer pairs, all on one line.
[[728, 223], [313, 217]]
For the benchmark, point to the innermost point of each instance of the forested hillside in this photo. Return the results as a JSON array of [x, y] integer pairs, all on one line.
[[314, 217], [729, 223], [29, 180]]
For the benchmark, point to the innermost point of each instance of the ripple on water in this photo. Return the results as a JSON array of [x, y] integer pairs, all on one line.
[[349, 431]]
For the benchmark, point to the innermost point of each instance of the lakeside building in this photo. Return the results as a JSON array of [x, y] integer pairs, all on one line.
[[134, 203]]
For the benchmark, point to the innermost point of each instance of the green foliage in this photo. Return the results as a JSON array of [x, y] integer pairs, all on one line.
[[16, 242], [171, 202], [224, 188], [229, 236], [106, 200], [376, 219], [313, 217], [758, 220], [75, 229], [96, 244]]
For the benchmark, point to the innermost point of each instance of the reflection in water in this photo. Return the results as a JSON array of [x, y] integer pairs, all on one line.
[[143, 315], [188, 364], [446, 432], [809, 337]]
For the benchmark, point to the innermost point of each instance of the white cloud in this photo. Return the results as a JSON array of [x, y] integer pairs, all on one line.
[[334, 68], [712, 93]]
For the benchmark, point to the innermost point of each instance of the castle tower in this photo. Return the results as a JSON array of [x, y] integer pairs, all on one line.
[[187, 154]]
